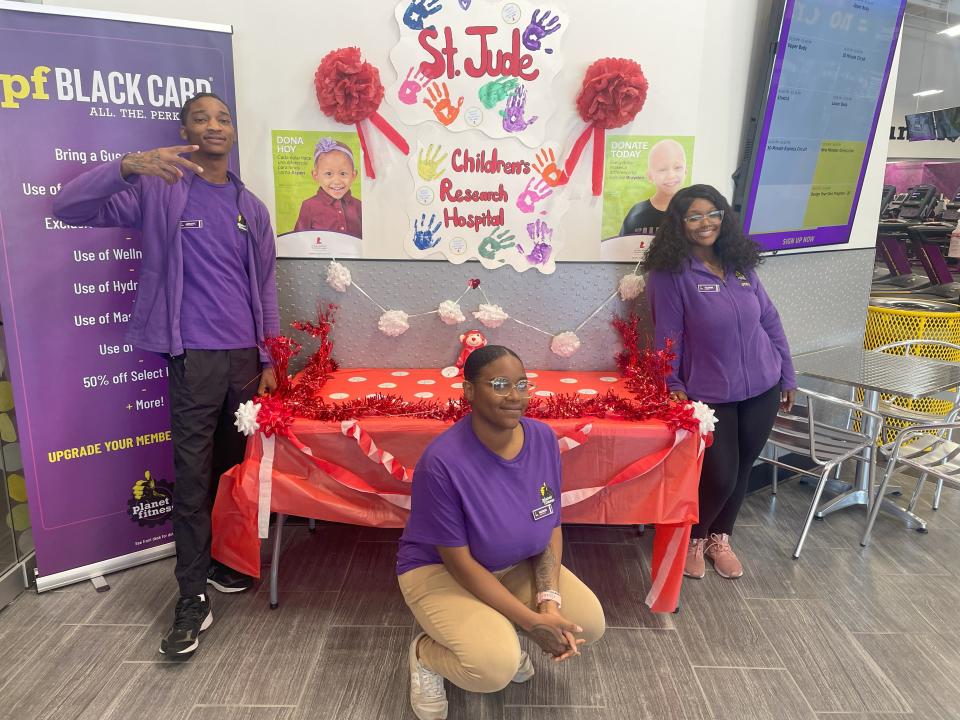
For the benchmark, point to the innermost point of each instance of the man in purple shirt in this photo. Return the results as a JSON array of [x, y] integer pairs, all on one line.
[[482, 547], [207, 298]]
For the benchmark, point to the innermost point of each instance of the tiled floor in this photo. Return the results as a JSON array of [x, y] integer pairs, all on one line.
[[842, 634]]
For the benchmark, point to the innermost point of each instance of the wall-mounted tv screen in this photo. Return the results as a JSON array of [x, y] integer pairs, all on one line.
[[816, 120]]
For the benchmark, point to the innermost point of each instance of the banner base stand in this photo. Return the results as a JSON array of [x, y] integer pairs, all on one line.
[[104, 567]]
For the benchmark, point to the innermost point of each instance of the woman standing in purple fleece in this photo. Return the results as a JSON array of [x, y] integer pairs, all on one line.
[[731, 353], [481, 552]]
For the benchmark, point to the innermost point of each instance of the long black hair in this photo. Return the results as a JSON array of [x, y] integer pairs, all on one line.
[[670, 248], [481, 357]]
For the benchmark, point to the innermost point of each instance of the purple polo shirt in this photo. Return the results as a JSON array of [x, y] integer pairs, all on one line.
[[727, 334], [215, 312], [322, 212], [466, 495]]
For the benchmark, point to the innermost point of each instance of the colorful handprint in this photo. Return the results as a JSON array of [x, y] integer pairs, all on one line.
[[424, 236], [546, 165], [513, 120], [539, 28], [411, 87], [428, 166], [534, 192], [438, 100], [541, 234], [496, 91], [494, 243], [418, 11]]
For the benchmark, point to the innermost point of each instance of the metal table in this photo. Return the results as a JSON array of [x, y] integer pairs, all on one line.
[[876, 373]]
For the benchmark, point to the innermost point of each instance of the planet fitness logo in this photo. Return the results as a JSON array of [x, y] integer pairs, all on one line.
[[152, 501]]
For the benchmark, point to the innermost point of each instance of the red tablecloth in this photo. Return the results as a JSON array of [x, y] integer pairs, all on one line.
[[614, 472]]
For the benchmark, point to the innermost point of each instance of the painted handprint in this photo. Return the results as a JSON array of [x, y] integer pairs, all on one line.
[[539, 28], [534, 192], [496, 91], [424, 236], [513, 120], [411, 87], [541, 234], [494, 243], [428, 165], [438, 100], [546, 165], [418, 11]]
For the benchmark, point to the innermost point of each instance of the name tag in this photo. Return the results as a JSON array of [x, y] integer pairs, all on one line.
[[191, 224], [542, 512], [708, 288]]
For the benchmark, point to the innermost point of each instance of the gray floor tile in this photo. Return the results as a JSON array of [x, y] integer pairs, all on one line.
[[148, 691], [769, 570], [749, 694], [374, 596], [136, 596], [315, 560], [267, 654], [833, 672], [620, 578], [929, 684], [233, 712], [559, 713], [605, 533], [716, 626], [646, 675], [360, 674], [66, 672]]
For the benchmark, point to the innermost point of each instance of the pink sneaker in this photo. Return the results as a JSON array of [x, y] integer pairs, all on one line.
[[695, 567], [725, 561]]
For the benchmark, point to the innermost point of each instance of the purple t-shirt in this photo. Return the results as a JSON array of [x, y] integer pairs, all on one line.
[[216, 312], [466, 495]]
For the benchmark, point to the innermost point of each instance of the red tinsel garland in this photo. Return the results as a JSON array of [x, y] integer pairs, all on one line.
[[645, 371]]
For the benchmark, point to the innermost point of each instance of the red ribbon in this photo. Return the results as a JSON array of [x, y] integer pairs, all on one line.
[[599, 147], [390, 132]]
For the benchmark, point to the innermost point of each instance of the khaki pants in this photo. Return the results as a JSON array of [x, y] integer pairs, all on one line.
[[471, 644]]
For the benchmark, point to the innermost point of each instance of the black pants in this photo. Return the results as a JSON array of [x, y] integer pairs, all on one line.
[[738, 439], [206, 386]]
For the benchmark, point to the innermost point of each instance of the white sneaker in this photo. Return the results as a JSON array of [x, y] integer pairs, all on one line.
[[427, 696], [525, 671]]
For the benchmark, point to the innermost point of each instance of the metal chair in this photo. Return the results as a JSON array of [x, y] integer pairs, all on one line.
[[890, 410], [826, 445], [928, 449]]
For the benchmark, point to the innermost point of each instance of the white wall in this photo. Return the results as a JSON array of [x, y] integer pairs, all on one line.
[[277, 46]]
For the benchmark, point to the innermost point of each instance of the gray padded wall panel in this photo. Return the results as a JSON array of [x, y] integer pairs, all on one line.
[[821, 297]]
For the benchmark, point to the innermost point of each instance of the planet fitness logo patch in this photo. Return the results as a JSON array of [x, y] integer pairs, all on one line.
[[152, 501]]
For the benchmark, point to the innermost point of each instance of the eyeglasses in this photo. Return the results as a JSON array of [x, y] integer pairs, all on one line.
[[700, 217], [502, 386]]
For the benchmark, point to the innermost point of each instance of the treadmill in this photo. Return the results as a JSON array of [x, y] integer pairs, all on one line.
[[893, 208], [892, 240], [919, 203], [931, 242], [952, 212], [889, 192]]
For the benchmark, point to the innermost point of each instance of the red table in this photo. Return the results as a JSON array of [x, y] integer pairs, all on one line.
[[614, 471]]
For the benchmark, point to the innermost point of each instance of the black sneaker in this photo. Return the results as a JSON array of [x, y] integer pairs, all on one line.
[[192, 616], [227, 580]]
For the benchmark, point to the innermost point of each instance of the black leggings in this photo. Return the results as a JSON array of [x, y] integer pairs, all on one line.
[[738, 439]]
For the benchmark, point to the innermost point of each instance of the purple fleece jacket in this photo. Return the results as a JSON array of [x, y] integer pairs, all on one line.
[[727, 334], [102, 198]]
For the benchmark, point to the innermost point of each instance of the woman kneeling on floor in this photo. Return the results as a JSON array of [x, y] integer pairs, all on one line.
[[481, 552]]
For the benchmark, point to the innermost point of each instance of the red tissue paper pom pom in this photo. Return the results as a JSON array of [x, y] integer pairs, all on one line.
[[613, 92], [348, 88]]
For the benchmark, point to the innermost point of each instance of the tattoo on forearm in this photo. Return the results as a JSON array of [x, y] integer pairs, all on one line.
[[546, 570]]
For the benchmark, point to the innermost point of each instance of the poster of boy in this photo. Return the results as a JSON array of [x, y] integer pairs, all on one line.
[[642, 173]]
